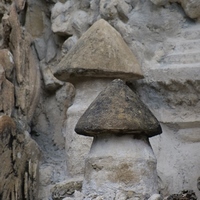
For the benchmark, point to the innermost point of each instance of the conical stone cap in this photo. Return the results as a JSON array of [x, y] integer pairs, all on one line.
[[118, 110], [100, 52]]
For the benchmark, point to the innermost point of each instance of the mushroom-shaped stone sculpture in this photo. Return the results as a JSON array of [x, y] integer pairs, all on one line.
[[98, 57], [100, 52], [121, 157]]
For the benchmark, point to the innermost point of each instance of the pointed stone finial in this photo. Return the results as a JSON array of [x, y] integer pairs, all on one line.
[[117, 110], [100, 52]]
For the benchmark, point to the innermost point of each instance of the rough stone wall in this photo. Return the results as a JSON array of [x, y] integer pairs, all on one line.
[[163, 34], [19, 162], [19, 94]]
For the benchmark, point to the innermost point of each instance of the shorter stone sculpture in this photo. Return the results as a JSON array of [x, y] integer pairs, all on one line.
[[121, 160]]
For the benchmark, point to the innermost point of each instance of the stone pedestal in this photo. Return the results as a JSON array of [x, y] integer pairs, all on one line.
[[120, 163]]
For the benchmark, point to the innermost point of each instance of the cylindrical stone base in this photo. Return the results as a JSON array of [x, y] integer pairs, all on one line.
[[78, 146], [120, 163]]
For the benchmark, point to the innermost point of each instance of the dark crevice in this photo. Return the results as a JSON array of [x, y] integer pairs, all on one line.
[[22, 15]]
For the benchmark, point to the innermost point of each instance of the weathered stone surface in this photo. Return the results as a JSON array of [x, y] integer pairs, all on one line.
[[26, 68], [36, 16], [108, 9], [19, 156], [20, 4], [51, 83], [191, 7], [115, 8], [159, 2], [66, 188], [61, 21], [173, 95], [51, 50], [118, 110], [40, 47], [78, 146], [120, 167], [6, 31], [184, 195], [68, 44], [48, 129], [119, 163], [6, 60], [155, 197], [80, 22], [77, 196], [6, 92], [100, 52], [119, 195], [7, 98]]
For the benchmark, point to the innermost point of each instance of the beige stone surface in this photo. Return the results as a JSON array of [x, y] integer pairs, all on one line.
[[100, 52], [26, 67], [6, 60], [7, 97], [20, 4], [7, 88], [35, 15]]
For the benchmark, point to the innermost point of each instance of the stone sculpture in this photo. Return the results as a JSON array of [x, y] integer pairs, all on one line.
[[121, 159], [99, 55], [100, 52]]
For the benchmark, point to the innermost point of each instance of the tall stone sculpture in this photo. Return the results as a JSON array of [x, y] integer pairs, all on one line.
[[100, 55], [121, 160]]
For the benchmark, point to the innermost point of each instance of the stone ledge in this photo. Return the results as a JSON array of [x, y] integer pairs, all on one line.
[[179, 72], [172, 93]]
